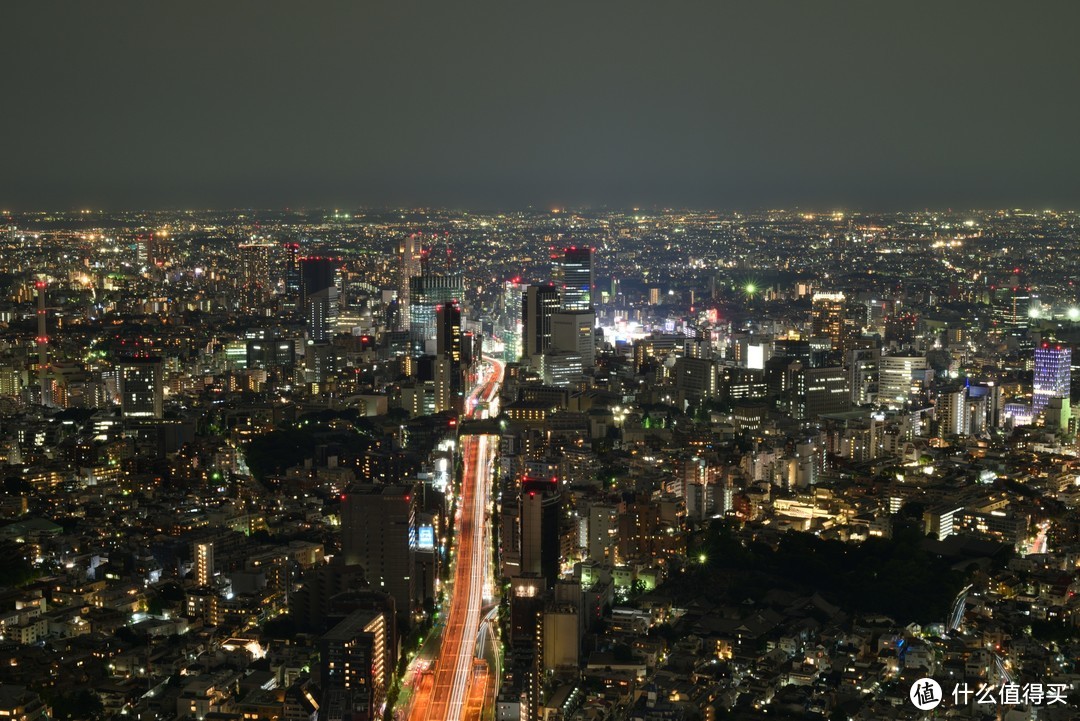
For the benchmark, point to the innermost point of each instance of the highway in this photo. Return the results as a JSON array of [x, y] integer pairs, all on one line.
[[444, 696]]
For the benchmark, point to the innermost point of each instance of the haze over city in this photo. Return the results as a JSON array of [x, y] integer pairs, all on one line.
[[132, 105]]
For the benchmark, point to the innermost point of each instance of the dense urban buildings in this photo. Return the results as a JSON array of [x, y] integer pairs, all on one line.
[[741, 475]]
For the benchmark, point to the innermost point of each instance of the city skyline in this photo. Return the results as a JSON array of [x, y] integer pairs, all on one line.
[[597, 361]]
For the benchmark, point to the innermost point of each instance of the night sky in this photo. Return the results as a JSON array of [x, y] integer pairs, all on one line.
[[485, 104]]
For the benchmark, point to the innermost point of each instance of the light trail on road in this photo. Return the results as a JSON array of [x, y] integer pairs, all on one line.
[[454, 668]]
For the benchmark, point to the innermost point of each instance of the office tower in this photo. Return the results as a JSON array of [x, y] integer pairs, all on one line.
[[316, 273], [292, 270], [820, 391], [538, 304], [573, 330], [863, 366], [952, 413], [376, 528], [897, 374], [654, 296], [319, 296], [574, 273], [1053, 375], [410, 252], [1010, 307], [752, 351], [142, 391], [426, 293], [510, 314], [356, 658], [204, 563], [696, 378], [561, 368], [448, 335], [270, 353], [828, 313], [321, 314], [541, 504], [320, 362]]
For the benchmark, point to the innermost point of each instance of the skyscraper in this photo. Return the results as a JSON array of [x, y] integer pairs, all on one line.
[[541, 504], [292, 270], [426, 293], [376, 528], [42, 341], [142, 391], [357, 664], [255, 281], [539, 303], [411, 251], [316, 273], [828, 317], [448, 335], [573, 271], [320, 314], [319, 293], [573, 330], [1053, 375]]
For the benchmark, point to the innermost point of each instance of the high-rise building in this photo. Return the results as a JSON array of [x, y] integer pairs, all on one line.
[[897, 375], [863, 366], [42, 342], [142, 389], [204, 563], [696, 378], [11, 382], [321, 314], [411, 252], [447, 386], [316, 273], [1053, 375], [292, 270], [820, 391], [319, 296], [538, 304], [270, 353], [574, 273], [574, 330], [255, 280], [376, 528], [541, 504], [448, 334], [561, 368], [356, 659], [952, 413], [829, 311], [603, 523], [426, 293], [901, 329]]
